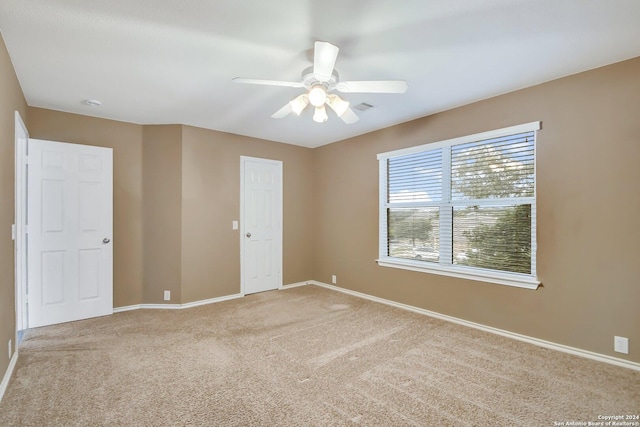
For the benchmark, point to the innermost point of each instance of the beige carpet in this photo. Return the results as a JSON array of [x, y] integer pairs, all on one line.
[[303, 356]]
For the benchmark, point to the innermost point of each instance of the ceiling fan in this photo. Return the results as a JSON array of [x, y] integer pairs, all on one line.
[[320, 80]]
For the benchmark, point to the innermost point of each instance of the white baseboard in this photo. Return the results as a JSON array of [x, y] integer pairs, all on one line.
[[531, 340], [176, 306], [192, 304], [7, 374], [195, 303], [141, 306], [294, 285]]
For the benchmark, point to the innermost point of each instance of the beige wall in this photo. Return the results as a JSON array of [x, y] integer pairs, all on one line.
[[162, 189], [588, 202], [191, 196], [126, 141], [211, 201], [11, 99]]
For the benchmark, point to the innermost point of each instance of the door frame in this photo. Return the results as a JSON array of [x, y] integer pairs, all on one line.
[[19, 227], [279, 163]]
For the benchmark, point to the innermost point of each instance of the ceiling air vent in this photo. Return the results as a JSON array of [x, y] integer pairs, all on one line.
[[362, 107]]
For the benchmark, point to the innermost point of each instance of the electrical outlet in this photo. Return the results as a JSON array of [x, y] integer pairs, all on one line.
[[334, 280], [167, 295], [9, 345], [621, 345]]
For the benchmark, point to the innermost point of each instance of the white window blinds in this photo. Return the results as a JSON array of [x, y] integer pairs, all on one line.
[[465, 205], [415, 177]]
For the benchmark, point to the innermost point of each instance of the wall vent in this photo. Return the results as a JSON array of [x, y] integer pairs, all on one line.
[[362, 107]]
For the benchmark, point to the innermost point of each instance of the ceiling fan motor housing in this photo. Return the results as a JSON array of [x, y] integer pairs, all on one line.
[[309, 80]]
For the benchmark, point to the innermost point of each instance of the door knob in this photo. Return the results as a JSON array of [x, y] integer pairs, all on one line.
[[105, 241], [248, 234]]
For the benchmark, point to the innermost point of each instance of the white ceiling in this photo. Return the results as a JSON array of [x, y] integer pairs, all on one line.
[[172, 62]]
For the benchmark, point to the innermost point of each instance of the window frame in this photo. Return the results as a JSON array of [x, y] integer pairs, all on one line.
[[528, 281]]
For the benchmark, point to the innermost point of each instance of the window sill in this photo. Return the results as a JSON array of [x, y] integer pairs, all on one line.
[[507, 279]]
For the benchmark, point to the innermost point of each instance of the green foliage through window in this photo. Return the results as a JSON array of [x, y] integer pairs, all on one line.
[[497, 237]]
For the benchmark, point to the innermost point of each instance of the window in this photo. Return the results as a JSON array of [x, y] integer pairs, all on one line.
[[464, 207]]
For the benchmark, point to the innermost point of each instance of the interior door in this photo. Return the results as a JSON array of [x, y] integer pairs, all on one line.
[[261, 220], [69, 229]]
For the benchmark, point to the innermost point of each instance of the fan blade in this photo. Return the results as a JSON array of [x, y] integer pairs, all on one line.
[[324, 58], [283, 112], [349, 116], [374, 86], [267, 82]]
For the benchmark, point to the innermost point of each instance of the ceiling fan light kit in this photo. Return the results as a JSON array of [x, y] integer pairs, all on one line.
[[299, 103], [320, 80], [320, 116], [337, 104], [317, 96]]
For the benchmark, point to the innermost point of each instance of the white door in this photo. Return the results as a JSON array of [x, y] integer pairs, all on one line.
[[261, 224], [69, 229]]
